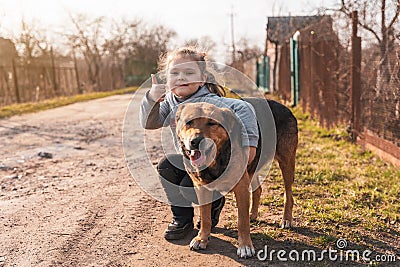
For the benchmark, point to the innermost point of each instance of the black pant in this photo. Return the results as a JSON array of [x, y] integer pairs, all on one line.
[[173, 174]]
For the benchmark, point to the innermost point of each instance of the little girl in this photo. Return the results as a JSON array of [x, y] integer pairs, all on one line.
[[188, 80]]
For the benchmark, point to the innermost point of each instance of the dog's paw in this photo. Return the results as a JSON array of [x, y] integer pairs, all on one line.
[[286, 224], [246, 251], [197, 243]]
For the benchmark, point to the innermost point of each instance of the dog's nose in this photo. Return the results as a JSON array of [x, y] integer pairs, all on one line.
[[194, 143]]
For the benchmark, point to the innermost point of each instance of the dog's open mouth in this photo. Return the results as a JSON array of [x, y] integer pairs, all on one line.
[[197, 158], [203, 155]]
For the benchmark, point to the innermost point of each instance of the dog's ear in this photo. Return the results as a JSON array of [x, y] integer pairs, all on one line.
[[231, 123], [228, 118]]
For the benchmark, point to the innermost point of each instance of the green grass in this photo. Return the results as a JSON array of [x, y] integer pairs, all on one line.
[[354, 185], [29, 107], [340, 191]]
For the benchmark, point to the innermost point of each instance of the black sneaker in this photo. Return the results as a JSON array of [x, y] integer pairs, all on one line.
[[178, 230], [215, 212]]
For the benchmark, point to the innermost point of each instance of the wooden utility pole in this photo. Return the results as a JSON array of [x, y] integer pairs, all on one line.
[[232, 15]]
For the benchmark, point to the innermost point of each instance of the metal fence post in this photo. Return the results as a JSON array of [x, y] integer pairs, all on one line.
[[294, 69], [53, 77], [15, 78], [355, 73], [78, 83]]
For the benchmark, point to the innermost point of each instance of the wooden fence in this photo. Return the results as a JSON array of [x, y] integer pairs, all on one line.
[[340, 88], [36, 80]]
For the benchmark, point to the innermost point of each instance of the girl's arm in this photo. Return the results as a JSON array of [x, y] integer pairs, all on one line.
[[247, 116], [154, 110], [153, 114]]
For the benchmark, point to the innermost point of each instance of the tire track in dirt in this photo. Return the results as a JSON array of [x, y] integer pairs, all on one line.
[[79, 208], [106, 237]]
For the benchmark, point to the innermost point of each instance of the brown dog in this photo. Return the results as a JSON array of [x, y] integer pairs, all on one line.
[[215, 160]]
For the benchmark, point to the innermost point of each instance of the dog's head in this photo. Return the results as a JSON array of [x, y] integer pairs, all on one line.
[[203, 130]]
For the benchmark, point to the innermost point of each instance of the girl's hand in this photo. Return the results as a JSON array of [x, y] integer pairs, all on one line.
[[157, 91]]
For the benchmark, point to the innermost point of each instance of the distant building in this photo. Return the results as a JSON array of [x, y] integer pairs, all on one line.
[[7, 52]]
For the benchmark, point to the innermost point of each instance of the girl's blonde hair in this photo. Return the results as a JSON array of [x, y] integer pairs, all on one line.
[[192, 53]]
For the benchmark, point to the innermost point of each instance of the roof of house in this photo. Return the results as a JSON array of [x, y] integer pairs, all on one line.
[[279, 29], [7, 49]]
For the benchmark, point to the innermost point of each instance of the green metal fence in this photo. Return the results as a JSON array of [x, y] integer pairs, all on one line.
[[263, 70], [294, 71]]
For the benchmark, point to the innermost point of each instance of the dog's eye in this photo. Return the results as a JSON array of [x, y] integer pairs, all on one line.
[[212, 123], [189, 123]]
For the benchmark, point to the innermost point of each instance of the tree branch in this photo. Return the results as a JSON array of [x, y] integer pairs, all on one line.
[[396, 15], [371, 31], [345, 10]]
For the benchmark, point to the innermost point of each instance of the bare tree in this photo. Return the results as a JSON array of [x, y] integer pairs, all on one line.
[[144, 49], [248, 51], [205, 43], [120, 34], [116, 47], [33, 41], [88, 37], [381, 19], [128, 49]]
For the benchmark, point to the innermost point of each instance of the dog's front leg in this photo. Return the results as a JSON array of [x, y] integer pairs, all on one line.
[[202, 238], [242, 195]]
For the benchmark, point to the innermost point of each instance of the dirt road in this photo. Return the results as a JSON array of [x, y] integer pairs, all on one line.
[[68, 199]]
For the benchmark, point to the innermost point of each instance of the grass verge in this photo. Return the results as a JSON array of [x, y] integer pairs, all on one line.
[[29, 107]]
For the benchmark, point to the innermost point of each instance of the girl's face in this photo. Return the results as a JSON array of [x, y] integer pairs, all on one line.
[[184, 77]]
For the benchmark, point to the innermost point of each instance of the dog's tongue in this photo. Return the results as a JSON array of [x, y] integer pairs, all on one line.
[[195, 155], [197, 158]]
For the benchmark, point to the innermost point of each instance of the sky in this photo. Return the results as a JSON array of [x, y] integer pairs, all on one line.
[[190, 19]]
